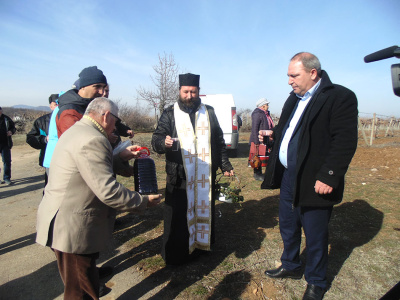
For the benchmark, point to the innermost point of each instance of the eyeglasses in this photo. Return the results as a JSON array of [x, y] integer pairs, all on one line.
[[118, 119]]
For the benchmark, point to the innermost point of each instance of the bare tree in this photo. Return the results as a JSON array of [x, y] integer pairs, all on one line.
[[166, 84]]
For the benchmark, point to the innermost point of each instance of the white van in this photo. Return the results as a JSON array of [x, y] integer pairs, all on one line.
[[225, 109]]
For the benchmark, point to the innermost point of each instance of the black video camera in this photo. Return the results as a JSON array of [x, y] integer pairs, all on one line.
[[393, 51]]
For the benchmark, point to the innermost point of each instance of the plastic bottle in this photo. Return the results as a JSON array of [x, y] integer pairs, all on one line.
[[144, 173]]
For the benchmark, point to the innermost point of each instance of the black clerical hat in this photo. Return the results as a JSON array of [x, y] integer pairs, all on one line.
[[189, 79]]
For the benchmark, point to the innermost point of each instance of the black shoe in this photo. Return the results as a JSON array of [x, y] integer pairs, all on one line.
[[281, 272], [314, 292], [105, 271], [104, 291], [258, 177]]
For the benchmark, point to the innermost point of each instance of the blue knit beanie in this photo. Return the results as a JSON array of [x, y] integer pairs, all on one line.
[[91, 75]]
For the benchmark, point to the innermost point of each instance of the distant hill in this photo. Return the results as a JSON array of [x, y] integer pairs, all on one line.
[[41, 108]]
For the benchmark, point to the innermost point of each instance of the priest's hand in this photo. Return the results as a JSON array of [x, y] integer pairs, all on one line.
[[229, 173], [168, 141]]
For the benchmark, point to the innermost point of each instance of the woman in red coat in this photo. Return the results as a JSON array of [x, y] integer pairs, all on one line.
[[260, 120]]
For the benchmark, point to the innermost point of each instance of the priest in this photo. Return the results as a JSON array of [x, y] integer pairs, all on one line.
[[189, 135]]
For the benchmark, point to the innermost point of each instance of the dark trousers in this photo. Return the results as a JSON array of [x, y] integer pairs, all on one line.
[[314, 221], [175, 248], [6, 157], [79, 275]]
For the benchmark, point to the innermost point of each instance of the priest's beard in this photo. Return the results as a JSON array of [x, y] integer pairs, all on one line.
[[189, 103]]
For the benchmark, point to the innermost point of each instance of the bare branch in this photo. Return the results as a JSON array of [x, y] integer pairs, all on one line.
[[165, 81]]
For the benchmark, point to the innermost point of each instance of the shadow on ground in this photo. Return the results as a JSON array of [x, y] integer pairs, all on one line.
[[353, 224], [44, 283], [21, 186], [234, 236]]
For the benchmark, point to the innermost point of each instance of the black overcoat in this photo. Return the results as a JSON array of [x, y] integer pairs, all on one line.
[[327, 143]]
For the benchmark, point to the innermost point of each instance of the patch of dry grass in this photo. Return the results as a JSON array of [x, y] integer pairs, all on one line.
[[364, 239]]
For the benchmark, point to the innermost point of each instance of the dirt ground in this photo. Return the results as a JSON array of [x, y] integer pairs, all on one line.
[[29, 271]]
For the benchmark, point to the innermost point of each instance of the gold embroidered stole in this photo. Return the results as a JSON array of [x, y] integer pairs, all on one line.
[[196, 156]]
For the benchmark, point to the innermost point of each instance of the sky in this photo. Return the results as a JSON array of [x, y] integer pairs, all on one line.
[[238, 47]]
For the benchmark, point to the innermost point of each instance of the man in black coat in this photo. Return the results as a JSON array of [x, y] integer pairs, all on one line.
[[38, 136], [191, 167], [315, 141], [7, 129]]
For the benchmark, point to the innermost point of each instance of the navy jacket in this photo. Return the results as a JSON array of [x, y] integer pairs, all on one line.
[[259, 121]]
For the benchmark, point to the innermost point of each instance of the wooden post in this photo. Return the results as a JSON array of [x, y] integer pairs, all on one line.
[[389, 128], [372, 130], [362, 131]]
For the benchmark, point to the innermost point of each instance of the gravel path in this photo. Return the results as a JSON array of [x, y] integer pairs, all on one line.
[[28, 270]]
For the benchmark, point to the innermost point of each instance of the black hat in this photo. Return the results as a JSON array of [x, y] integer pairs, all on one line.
[[189, 79], [91, 75], [76, 85], [53, 98]]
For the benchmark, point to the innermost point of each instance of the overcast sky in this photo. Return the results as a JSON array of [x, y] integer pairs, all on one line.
[[238, 47]]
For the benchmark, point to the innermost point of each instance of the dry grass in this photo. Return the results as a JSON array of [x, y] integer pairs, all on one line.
[[364, 240]]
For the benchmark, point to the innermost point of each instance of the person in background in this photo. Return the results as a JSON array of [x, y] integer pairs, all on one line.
[[52, 139], [315, 141], [239, 121], [260, 120], [76, 215], [191, 171], [38, 136], [121, 128], [7, 129], [72, 104]]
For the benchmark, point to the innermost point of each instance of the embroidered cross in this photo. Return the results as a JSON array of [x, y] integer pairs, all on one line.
[[203, 231], [191, 183], [203, 154], [191, 208], [203, 128], [190, 155], [203, 180], [185, 131], [203, 206]]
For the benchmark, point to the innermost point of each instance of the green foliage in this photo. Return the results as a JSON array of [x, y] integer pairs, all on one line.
[[230, 188], [230, 193]]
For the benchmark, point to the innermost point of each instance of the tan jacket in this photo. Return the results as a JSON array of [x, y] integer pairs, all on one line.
[[77, 212]]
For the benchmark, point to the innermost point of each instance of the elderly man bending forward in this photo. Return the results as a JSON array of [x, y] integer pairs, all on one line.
[[77, 213]]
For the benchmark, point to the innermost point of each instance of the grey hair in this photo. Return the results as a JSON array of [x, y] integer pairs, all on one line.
[[100, 105], [309, 61]]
